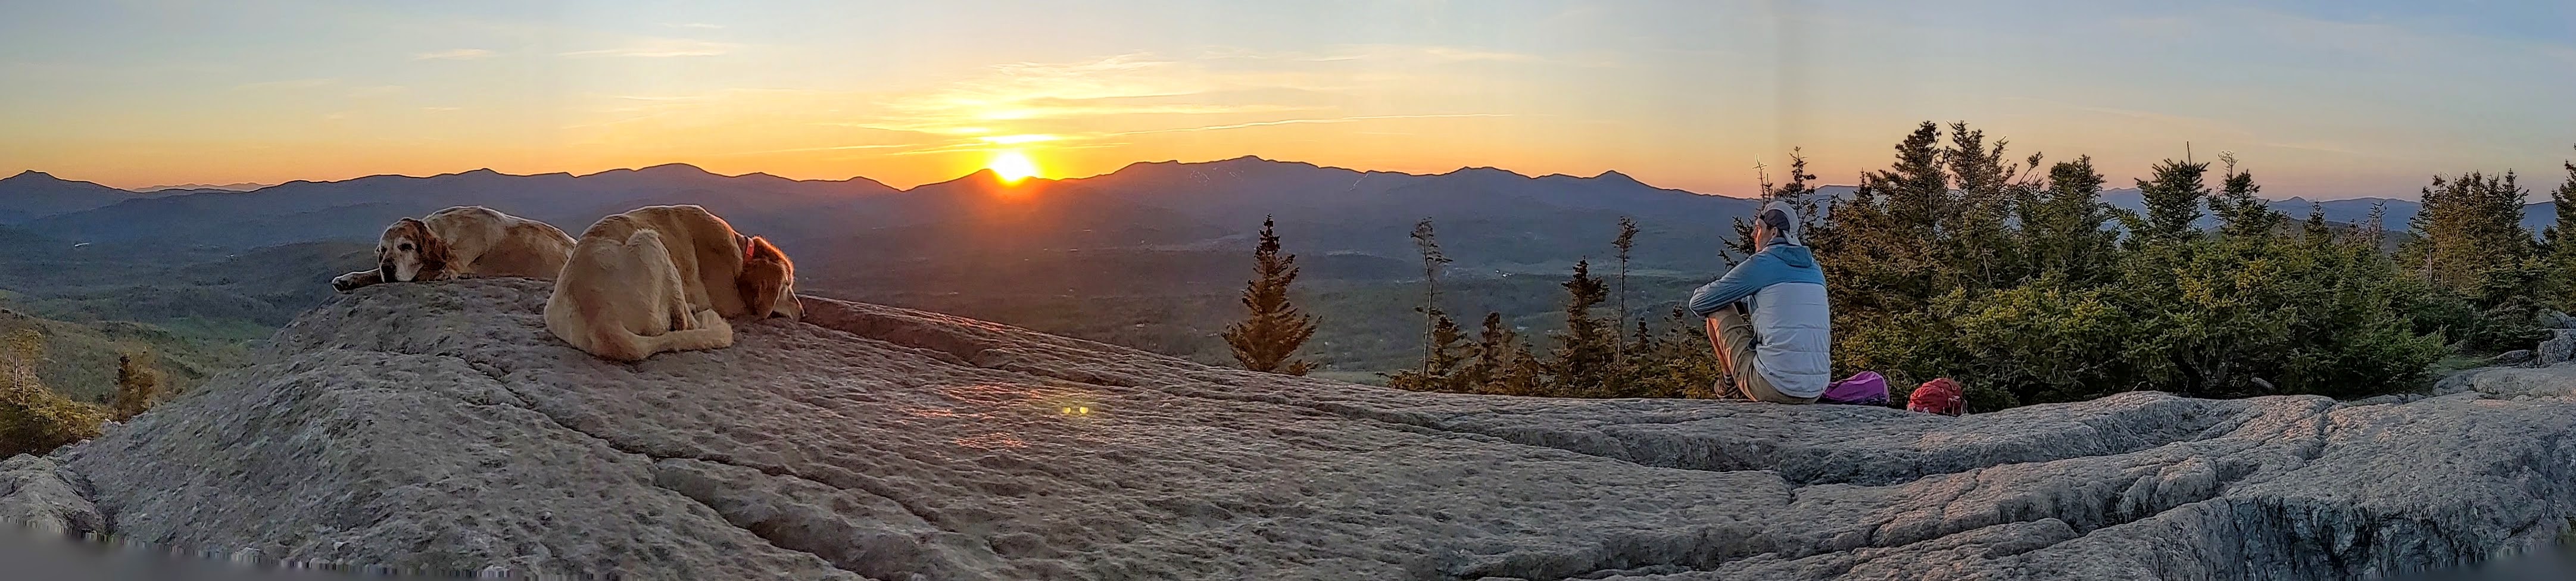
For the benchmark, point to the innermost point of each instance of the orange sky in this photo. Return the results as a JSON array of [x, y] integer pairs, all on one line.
[[2327, 102]]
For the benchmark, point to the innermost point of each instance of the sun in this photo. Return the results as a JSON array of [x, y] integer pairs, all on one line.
[[1012, 166]]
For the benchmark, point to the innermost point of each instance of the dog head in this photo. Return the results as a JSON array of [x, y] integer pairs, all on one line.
[[768, 281], [409, 252]]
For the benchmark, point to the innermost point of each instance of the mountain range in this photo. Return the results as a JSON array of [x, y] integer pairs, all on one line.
[[1148, 256], [199, 188], [1487, 217]]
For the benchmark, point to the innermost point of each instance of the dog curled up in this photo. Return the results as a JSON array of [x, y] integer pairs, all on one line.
[[664, 278], [461, 241]]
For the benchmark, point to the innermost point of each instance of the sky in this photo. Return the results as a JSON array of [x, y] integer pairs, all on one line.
[[2325, 99]]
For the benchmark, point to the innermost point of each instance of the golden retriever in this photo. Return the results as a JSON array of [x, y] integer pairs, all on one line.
[[461, 241], [736, 275], [720, 273], [621, 299]]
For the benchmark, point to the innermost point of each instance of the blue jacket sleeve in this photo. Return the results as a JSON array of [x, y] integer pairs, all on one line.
[[1739, 282]]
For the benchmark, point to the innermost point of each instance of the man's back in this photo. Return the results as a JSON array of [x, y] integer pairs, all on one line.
[[1786, 292]]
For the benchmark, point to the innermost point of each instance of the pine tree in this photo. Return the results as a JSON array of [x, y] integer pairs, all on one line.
[[2063, 227], [2173, 199], [1445, 371], [1977, 241], [1432, 260], [1272, 330], [1816, 231], [138, 386], [2240, 213], [1491, 360], [1918, 192], [1580, 365], [1627, 241], [2315, 229], [2468, 229], [2560, 245], [1525, 375]]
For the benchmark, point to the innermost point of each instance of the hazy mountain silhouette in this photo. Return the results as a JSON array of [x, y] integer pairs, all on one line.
[[200, 188], [358, 209], [33, 194], [2354, 211], [1487, 217]]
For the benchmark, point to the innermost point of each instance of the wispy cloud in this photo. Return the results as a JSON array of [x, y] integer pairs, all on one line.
[[829, 148], [377, 91], [1018, 139], [1320, 120], [455, 54], [286, 84], [697, 25], [659, 48]]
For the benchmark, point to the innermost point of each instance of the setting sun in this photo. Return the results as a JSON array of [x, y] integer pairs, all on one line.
[[1012, 166]]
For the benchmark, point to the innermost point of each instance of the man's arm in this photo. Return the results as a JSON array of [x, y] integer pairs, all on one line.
[[1739, 282]]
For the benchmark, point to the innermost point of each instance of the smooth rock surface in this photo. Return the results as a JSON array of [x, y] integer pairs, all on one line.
[[439, 426]]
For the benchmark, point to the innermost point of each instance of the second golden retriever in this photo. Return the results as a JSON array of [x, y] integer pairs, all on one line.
[[460, 241], [612, 297]]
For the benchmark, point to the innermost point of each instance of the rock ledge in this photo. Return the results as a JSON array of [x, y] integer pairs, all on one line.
[[437, 426]]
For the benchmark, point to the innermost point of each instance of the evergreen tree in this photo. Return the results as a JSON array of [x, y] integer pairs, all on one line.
[[2315, 229], [1798, 195], [138, 386], [1580, 365], [1272, 329], [1977, 245], [2468, 230], [2240, 213], [2173, 199], [1626, 241], [1491, 361], [1917, 191], [1425, 241], [1446, 370], [1525, 375], [2064, 227], [2560, 242]]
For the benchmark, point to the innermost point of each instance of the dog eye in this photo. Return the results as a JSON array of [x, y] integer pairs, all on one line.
[[406, 247]]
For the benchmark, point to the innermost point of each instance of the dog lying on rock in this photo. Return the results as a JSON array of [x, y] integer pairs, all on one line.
[[664, 278], [461, 241]]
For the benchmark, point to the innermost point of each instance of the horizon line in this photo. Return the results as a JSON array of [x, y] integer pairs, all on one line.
[[977, 171]]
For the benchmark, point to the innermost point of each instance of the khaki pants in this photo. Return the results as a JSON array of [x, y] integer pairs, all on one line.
[[1731, 332]]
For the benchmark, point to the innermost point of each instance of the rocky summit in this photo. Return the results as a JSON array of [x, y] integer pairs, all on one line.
[[439, 427]]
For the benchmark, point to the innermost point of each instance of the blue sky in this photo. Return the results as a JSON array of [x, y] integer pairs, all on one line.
[[2324, 99]]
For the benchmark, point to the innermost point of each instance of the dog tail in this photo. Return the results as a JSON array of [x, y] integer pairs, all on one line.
[[712, 332]]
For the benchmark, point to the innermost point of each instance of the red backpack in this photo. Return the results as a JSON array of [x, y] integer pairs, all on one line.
[[1939, 396]]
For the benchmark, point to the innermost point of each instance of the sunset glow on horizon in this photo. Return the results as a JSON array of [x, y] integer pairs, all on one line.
[[2320, 99], [1012, 166]]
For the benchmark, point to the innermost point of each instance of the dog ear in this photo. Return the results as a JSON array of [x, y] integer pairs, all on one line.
[[434, 253], [760, 249], [765, 272]]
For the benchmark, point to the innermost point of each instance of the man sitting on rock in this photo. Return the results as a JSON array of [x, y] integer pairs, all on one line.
[[1768, 317]]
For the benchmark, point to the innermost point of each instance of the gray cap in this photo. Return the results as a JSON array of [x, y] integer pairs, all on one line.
[[1781, 219]]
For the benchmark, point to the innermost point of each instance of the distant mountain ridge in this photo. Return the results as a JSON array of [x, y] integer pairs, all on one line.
[[33, 194], [1348, 222], [1486, 215], [196, 188]]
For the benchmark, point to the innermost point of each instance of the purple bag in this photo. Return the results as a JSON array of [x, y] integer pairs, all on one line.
[[1865, 388]]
